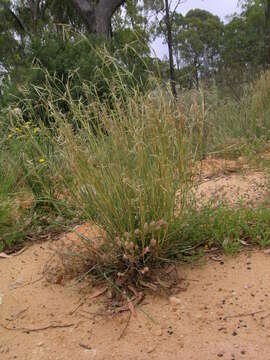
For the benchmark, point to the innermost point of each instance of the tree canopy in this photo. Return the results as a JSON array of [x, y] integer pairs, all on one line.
[[61, 35]]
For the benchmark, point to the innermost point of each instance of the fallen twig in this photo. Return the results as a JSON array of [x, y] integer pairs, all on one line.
[[188, 279], [77, 307], [95, 295], [16, 316], [26, 330], [130, 306], [243, 315], [126, 326], [20, 251]]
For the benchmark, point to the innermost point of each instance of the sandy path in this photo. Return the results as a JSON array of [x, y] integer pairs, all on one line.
[[197, 326]]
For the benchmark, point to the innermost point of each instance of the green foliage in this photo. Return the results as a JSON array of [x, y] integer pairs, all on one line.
[[244, 47], [58, 56], [200, 39], [225, 228], [10, 226]]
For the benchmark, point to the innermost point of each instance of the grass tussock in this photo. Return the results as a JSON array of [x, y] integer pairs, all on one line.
[[125, 164], [120, 168]]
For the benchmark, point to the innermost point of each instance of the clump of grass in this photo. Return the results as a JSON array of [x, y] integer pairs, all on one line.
[[119, 164], [125, 175]]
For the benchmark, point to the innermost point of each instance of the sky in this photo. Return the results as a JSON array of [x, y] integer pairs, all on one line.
[[222, 8]]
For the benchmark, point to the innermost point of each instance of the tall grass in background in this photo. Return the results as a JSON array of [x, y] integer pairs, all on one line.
[[223, 126]]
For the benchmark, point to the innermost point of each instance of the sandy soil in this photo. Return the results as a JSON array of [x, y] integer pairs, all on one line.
[[230, 181], [222, 311], [247, 188]]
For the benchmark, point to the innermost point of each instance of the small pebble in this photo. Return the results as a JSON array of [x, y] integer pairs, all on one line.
[[174, 300]]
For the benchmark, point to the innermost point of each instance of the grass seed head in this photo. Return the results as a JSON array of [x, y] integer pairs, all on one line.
[[146, 228], [153, 242], [152, 224], [137, 232]]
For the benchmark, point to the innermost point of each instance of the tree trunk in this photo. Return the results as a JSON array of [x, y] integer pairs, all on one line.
[[170, 48], [196, 74], [34, 6], [97, 14], [206, 63]]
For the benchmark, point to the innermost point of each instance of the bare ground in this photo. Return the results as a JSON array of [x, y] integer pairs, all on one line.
[[223, 310], [224, 313]]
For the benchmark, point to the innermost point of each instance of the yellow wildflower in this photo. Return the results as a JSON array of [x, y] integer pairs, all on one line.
[[18, 129], [35, 130], [10, 136], [41, 160]]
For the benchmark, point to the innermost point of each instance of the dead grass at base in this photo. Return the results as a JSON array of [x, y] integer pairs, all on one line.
[[71, 262]]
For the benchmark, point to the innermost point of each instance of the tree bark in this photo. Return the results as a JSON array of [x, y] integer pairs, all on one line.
[[97, 15], [170, 48]]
